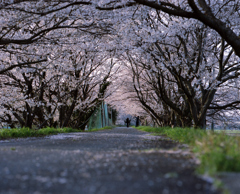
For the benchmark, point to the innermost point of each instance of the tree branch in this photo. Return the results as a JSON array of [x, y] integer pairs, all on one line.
[[20, 65]]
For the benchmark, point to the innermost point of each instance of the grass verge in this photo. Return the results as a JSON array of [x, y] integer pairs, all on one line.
[[26, 132], [103, 128], [217, 152]]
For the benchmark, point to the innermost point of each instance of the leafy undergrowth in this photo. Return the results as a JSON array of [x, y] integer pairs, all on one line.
[[217, 152]]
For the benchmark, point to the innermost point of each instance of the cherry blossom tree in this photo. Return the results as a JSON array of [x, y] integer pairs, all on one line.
[[55, 94], [183, 55], [50, 62], [222, 16], [185, 71]]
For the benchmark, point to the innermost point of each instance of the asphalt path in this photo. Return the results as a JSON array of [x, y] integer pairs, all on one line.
[[118, 161]]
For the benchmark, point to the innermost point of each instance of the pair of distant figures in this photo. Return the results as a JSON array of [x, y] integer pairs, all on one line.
[[128, 121]]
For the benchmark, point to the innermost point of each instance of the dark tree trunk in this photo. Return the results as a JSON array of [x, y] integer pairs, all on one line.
[[70, 110]]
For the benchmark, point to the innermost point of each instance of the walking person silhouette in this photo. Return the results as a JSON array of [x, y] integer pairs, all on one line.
[[127, 121], [137, 121]]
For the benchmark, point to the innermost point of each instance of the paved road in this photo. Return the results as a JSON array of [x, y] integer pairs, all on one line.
[[122, 160]]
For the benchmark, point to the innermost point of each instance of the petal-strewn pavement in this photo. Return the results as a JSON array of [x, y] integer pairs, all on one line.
[[118, 161]]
